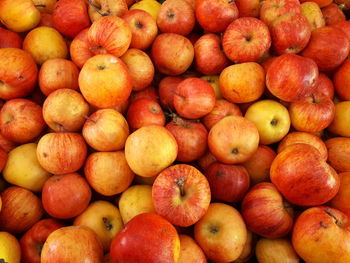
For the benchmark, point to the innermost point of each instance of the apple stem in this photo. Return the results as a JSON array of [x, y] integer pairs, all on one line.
[[181, 183], [330, 213], [98, 9], [89, 119]]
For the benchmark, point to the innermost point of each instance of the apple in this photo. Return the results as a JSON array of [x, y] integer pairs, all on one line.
[[275, 250], [19, 15], [18, 73], [181, 194], [66, 196], [290, 33], [21, 120], [248, 249], [221, 233], [340, 124], [45, 43], [70, 17], [320, 3], [176, 16], [340, 201], [339, 153], [270, 10], [150, 6], [104, 219], [325, 85], [233, 139], [304, 137], [215, 15], [3, 161], [21, 209], [6, 144], [57, 74], [208, 55], [206, 160], [306, 181], [248, 8], [332, 14], [10, 249], [79, 49], [106, 130], [143, 28], [246, 39], [108, 172], [33, 240], [140, 67], [328, 47], [72, 244], [341, 80], [300, 83], [312, 12], [194, 98], [344, 26], [111, 75], [172, 53], [114, 40], [45, 6], [190, 252], [213, 80], [46, 19], [9, 39], [321, 234], [100, 8], [166, 90], [148, 93], [228, 182], [143, 112], [61, 153]]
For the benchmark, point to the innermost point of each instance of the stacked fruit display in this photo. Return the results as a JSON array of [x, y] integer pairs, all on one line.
[[176, 131]]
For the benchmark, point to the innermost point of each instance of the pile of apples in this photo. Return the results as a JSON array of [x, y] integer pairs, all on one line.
[[180, 131]]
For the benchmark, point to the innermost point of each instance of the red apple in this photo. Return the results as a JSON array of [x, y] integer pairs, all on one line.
[[248, 8], [166, 91], [33, 240], [147, 93], [339, 153], [3, 161], [9, 39], [190, 251], [172, 53], [6, 144], [46, 19], [325, 85], [206, 160], [341, 80], [246, 39], [70, 17], [228, 182], [21, 120], [143, 28], [272, 9], [343, 26], [61, 153], [18, 73], [21, 209], [266, 213], [328, 47], [79, 49], [306, 180], [191, 138], [340, 201], [297, 73], [181, 194], [66, 196], [215, 15], [194, 98], [332, 14], [147, 237]]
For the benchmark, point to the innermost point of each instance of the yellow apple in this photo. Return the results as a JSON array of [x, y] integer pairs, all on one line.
[[341, 121], [313, 14], [104, 219], [150, 6], [275, 251], [23, 168], [19, 15], [271, 118], [248, 249], [136, 200], [45, 43], [10, 250], [190, 252], [214, 82]]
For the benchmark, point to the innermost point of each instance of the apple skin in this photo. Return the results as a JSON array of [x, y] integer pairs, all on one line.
[[221, 233], [66, 196], [275, 250], [61, 153], [3, 161], [265, 212], [272, 9], [106, 130], [143, 28], [208, 55], [341, 80], [181, 194], [18, 75], [176, 17], [215, 15], [100, 8], [246, 40], [150, 6], [21, 209], [190, 252], [307, 181], [46, 20], [341, 119], [325, 230], [148, 93], [328, 47], [57, 74], [172, 53], [6, 144], [233, 139], [339, 153], [21, 120], [111, 75], [10, 248], [33, 240], [313, 14], [109, 34], [228, 182], [340, 201], [70, 17], [79, 49], [325, 85], [147, 237], [332, 14], [300, 84], [166, 90], [45, 6], [248, 8], [73, 243], [344, 26], [9, 39]]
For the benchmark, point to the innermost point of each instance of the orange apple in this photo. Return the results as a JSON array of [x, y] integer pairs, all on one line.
[[341, 80], [99, 8], [248, 249], [10, 39], [339, 153], [340, 124], [275, 250], [10, 249], [340, 201], [190, 252], [45, 6], [79, 49]]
